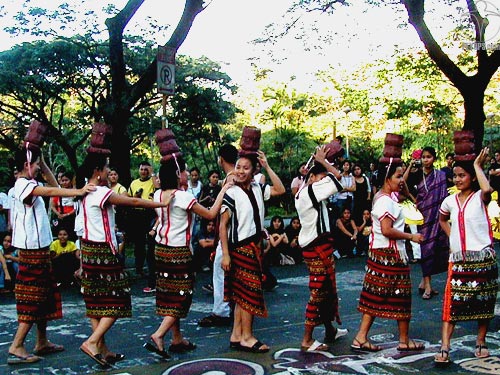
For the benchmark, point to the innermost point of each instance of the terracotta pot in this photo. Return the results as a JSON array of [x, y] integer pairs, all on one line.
[[168, 147], [101, 135], [387, 160], [164, 159], [98, 150], [394, 151], [394, 139], [250, 139], [466, 157], [164, 135], [462, 148], [36, 134], [463, 135]]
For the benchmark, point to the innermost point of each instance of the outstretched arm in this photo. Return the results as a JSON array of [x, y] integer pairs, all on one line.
[[277, 187], [484, 184]]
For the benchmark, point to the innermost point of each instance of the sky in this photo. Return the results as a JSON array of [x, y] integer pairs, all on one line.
[[224, 31]]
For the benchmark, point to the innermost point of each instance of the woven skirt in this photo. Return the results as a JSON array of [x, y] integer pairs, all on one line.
[[243, 282], [174, 280], [471, 289], [387, 286], [37, 296], [323, 304], [105, 285]]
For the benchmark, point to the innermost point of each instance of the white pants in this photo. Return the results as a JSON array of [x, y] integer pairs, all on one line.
[[415, 247], [221, 308]]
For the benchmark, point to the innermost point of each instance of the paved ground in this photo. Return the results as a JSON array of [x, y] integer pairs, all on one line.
[[282, 331]]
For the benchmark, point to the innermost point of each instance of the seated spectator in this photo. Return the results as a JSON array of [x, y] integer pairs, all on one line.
[[65, 258], [292, 233], [206, 246], [277, 240], [10, 253], [364, 230], [4, 275], [346, 234]]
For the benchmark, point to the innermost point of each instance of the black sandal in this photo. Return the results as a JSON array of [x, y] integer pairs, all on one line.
[[444, 354]]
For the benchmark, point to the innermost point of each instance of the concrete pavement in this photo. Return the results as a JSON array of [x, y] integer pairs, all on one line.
[[282, 330]]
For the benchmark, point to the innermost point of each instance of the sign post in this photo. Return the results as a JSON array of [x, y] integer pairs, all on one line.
[[165, 74]]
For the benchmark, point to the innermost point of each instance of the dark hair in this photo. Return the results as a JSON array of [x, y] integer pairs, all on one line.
[[21, 157], [229, 153], [386, 171], [299, 168], [67, 174], [168, 173], [194, 169], [316, 169], [430, 150], [113, 169], [281, 228], [253, 160], [91, 163], [468, 167], [339, 138], [145, 162], [212, 172], [450, 154]]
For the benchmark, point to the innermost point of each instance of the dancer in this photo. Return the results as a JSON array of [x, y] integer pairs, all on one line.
[[105, 286], [472, 285], [174, 261], [37, 297], [387, 286], [316, 242], [242, 218]]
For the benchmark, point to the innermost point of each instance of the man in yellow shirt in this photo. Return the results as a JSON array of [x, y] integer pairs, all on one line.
[[140, 223]]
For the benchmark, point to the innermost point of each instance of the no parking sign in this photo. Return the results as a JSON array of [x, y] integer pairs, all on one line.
[[165, 70]]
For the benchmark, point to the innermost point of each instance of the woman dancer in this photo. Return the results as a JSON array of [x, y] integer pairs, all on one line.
[[105, 286], [471, 286], [431, 189], [387, 286], [241, 228], [317, 244], [37, 297], [174, 261]]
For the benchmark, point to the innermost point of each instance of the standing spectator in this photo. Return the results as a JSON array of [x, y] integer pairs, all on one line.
[[292, 231], [120, 212], [472, 284], [37, 297], [141, 221], [346, 234], [387, 286], [362, 195], [494, 173], [210, 191], [430, 186], [65, 258], [11, 256], [205, 247], [344, 197], [448, 169], [242, 218], [105, 286], [4, 213], [258, 176], [194, 183], [316, 241], [114, 184], [10, 200], [63, 208], [298, 180], [175, 281], [221, 311]]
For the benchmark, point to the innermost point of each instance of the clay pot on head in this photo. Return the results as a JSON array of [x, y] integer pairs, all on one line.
[[387, 160], [334, 150], [462, 148], [250, 139], [165, 158], [168, 147], [101, 135], [98, 150], [35, 136], [394, 151], [393, 139], [466, 157], [164, 135], [463, 136]]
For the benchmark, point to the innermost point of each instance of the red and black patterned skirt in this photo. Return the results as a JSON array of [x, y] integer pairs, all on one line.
[[243, 282], [387, 286], [174, 280], [37, 296], [105, 285], [323, 304]]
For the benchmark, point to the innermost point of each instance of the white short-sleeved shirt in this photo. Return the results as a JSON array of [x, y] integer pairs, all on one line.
[[346, 181], [31, 227], [175, 221], [308, 215], [385, 206], [242, 225], [470, 225], [99, 217]]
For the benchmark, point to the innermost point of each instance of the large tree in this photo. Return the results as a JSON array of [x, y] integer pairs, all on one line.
[[471, 86], [127, 91]]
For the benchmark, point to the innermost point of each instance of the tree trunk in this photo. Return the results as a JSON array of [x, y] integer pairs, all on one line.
[[120, 149], [474, 113]]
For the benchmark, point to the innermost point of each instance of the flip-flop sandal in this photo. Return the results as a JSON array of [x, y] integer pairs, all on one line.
[[234, 344], [182, 347], [113, 358], [14, 359], [315, 347], [96, 357], [478, 353], [366, 346], [442, 358], [411, 346], [255, 348], [154, 349], [51, 348], [338, 333]]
